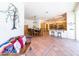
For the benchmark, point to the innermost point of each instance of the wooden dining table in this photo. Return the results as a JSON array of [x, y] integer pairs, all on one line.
[[34, 32]]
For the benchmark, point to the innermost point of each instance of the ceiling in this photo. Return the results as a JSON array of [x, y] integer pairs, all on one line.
[[46, 9]]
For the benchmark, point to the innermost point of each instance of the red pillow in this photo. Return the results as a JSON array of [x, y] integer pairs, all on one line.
[[12, 40], [20, 41]]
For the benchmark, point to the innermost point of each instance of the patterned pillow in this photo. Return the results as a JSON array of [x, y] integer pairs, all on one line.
[[24, 39], [9, 49], [4, 46], [17, 46], [12, 40]]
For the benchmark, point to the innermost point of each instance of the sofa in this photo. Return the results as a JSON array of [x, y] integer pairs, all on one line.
[[16, 45]]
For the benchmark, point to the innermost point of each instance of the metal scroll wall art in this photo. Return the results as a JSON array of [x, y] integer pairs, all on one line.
[[12, 14]]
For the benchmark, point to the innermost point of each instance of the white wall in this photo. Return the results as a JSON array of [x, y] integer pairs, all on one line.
[[70, 33], [5, 28], [77, 25], [30, 24], [64, 34], [70, 25]]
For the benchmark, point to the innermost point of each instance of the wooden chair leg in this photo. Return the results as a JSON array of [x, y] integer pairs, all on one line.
[[30, 48]]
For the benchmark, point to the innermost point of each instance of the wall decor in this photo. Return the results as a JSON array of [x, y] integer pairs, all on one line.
[[11, 14], [71, 23]]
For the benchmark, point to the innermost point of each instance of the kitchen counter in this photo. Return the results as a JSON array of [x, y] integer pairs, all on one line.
[[57, 33]]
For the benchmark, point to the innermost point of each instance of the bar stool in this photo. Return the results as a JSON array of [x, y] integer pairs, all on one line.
[[53, 33], [59, 34]]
